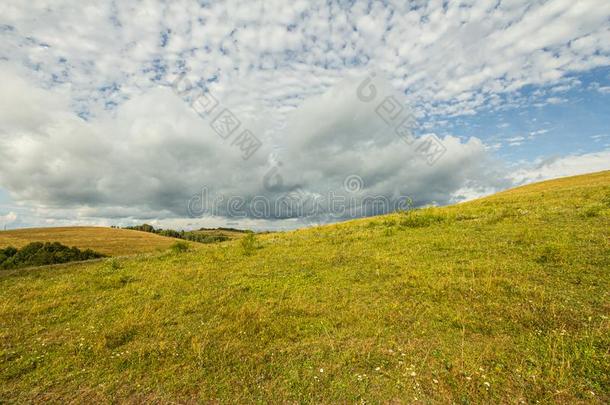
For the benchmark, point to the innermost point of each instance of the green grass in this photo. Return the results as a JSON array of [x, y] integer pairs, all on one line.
[[504, 299]]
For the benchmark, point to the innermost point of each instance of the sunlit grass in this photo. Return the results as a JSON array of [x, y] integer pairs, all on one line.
[[109, 241], [505, 299]]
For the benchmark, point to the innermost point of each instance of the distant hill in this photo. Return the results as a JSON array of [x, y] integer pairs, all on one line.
[[109, 241], [203, 235], [229, 233], [505, 299]]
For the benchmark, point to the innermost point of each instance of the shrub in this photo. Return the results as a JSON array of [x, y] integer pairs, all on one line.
[[202, 238], [592, 211], [500, 215], [389, 222], [191, 236], [421, 218], [114, 264], [248, 244], [41, 254], [170, 233], [548, 254], [180, 247], [143, 228]]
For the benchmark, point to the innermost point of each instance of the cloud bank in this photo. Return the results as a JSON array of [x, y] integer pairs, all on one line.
[[149, 157], [89, 126]]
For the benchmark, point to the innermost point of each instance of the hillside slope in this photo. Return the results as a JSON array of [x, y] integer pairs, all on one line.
[[503, 299], [109, 241]]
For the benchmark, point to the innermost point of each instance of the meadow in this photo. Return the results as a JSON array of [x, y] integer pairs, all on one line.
[[499, 300], [109, 241]]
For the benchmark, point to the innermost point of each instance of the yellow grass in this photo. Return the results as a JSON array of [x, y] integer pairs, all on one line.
[[109, 241]]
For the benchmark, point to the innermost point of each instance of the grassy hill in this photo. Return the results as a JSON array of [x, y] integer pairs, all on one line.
[[504, 299], [222, 232], [109, 241]]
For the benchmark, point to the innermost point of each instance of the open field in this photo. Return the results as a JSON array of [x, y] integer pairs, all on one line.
[[504, 299], [109, 241]]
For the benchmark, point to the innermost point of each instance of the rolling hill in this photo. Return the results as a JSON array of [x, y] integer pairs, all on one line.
[[109, 241], [505, 299], [222, 232]]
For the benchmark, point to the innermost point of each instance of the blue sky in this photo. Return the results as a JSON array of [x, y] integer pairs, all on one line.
[[92, 130], [577, 123]]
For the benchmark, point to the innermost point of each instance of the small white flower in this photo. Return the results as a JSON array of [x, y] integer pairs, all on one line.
[[377, 368], [321, 370], [413, 373], [435, 381]]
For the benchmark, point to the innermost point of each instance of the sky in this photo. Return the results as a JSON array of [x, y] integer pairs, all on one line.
[[188, 114]]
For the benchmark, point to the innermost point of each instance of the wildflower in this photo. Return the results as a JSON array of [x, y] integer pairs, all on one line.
[[377, 368], [413, 373], [435, 381], [321, 370]]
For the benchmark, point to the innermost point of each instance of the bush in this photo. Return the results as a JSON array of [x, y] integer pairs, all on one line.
[[170, 233], [191, 236], [180, 247], [592, 211], [548, 254], [248, 244], [421, 218], [202, 238], [42, 254], [114, 264]]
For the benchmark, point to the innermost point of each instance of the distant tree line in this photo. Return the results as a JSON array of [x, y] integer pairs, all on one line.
[[41, 254], [186, 235]]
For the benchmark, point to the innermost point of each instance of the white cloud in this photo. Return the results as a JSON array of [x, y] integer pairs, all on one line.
[[604, 89], [154, 153], [8, 218], [555, 100], [570, 165], [452, 59]]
